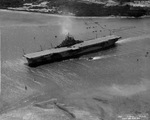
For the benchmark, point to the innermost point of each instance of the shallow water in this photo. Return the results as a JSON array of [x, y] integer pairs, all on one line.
[[115, 81]]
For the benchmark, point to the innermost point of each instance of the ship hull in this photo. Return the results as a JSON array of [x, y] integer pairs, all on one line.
[[70, 53]]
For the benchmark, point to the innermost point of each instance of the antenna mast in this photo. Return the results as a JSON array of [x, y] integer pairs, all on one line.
[[23, 52], [41, 47]]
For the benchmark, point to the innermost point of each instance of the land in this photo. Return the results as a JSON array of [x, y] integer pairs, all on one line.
[[82, 8]]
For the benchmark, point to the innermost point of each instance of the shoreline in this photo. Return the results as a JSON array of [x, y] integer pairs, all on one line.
[[70, 16]]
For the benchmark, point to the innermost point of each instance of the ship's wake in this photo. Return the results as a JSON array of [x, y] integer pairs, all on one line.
[[131, 39]]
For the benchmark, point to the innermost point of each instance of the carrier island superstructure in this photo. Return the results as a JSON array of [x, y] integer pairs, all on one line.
[[70, 48]]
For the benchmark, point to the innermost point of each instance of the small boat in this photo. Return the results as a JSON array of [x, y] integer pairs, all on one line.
[[70, 48]]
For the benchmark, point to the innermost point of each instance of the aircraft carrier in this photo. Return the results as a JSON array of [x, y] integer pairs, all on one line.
[[70, 48]]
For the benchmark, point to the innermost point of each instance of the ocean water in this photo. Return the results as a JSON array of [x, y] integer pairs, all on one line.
[[114, 82]]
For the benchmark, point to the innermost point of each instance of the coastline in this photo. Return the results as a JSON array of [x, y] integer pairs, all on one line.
[[70, 16]]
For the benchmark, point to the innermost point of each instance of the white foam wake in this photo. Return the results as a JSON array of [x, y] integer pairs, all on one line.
[[134, 38]]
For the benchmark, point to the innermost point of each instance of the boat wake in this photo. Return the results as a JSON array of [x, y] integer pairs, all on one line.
[[100, 57], [131, 39]]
